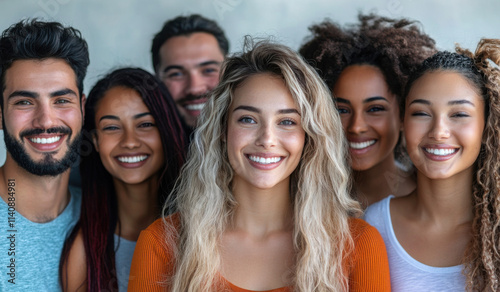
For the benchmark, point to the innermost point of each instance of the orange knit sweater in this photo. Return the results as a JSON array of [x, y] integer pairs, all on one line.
[[152, 260]]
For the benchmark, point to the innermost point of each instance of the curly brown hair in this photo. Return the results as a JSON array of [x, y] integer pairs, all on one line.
[[396, 47], [482, 257]]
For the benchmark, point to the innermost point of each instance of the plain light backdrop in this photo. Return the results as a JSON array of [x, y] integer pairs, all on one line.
[[119, 32]]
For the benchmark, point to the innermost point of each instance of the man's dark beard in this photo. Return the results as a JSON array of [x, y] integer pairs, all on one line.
[[48, 166]]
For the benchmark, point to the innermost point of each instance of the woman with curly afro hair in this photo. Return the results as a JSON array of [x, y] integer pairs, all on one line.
[[366, 66], [445, 235]]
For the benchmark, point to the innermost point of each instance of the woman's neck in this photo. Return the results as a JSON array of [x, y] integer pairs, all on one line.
[[137, 206], [381, 180], [445, 200], [262, 211]]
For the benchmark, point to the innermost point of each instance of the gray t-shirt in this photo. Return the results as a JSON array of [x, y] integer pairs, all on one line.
[[29, 251], [124, 250], [408, 274]]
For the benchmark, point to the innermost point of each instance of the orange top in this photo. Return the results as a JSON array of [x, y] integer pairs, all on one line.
[[152, 260]]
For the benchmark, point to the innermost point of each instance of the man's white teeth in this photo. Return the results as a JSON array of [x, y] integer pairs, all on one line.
[[132, 159], [195, 106], [440, 151], [263, 160], [361, 145], [45, 140]]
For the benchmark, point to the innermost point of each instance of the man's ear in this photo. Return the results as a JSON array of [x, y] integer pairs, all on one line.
[[82, 104]]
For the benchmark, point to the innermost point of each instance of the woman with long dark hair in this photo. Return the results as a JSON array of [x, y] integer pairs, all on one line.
[[133, 149]]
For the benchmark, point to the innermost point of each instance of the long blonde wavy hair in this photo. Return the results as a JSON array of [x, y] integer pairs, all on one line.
[[319, 186], [482, 257]]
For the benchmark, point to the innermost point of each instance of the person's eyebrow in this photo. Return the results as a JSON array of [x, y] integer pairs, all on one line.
[[420, 101], [31, 94], [172, 67], [110, 117], [460, 101], [207, 63], [138, 116], [289, 111], [374, 98], [23, 93], [256, 110], [342, 100], [202, 64], [247, 108], [62, 92]]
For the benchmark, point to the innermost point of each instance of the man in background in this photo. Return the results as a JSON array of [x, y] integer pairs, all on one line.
[[187, 56]]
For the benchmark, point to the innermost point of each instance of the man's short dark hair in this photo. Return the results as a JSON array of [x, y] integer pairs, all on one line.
[[186, 25], [38, 40]]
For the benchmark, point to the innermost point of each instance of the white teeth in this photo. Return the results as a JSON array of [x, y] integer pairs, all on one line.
[[361, 145], [440, 151], [195, 107], [45, 140], [263, 160], [132, 159]]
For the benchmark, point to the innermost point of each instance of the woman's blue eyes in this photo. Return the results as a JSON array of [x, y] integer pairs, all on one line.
[[287, 122], [247, 120], [284, 122]]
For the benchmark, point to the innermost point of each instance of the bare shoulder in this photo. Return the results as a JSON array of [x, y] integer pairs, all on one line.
[[74, 276]]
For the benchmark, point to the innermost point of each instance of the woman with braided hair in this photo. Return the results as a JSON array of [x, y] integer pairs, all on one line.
[[366, 66], [444, 236]]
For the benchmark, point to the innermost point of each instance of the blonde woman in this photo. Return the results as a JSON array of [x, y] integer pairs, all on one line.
[[263, 202]]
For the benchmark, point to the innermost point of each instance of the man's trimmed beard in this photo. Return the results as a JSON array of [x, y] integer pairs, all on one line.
[[48, 166]]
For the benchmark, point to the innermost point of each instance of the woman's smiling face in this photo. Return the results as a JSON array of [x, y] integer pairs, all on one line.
[[265, 137], [444, 122], [369, 113], [127, 138]]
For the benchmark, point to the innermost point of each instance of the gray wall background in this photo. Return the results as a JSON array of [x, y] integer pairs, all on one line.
[[119, 32]]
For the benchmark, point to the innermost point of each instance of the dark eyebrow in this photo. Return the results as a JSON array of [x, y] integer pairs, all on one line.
[[138, 116], [171, 67], [461, 101], [23, 93], [211, 62], [375, 98], [370, 99], [247, 108], [109, 117], [422, 101], [179, 67], [62, 92]]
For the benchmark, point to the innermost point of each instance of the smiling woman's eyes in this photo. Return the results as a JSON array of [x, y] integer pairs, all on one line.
[[376, 108], [287, 122], [110, 128], [246, 120], [342, 110], [146, 125]]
